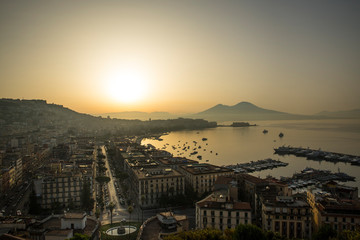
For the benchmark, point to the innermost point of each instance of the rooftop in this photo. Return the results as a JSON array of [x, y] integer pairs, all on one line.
[[204, 168], [146, 173]]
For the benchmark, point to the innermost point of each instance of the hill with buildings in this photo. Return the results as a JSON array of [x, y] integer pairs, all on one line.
[[29, 116]]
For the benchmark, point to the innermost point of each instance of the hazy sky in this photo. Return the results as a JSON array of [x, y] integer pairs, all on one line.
[[298, 56]]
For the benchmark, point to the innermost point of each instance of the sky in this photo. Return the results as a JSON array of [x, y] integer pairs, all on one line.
[[182, 56]]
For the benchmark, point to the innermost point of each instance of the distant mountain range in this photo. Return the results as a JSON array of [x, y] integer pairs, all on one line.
[[139, 115], [341, 114], [243, 111]]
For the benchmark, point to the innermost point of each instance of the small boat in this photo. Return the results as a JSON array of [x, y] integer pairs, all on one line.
[[199, 157], [265, 131], [204, 139], [207, 160], [281, 135]]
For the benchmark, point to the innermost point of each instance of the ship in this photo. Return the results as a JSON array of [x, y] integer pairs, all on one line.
[[281, 135]]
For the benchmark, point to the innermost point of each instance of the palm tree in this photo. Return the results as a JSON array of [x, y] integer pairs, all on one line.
[[111, 207], [130, 210]]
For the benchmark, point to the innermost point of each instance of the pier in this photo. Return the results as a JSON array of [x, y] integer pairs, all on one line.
[[310, 176], [255, 166], [318, 155]]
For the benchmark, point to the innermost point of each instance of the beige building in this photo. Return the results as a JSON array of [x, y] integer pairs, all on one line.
[[63, 190], [288, 216], [201, 177], [339, 214], [220, 212], [150, 184]]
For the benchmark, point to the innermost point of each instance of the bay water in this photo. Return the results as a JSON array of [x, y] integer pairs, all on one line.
[[232, 145]]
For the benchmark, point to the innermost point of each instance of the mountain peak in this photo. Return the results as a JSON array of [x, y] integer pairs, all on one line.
[[245, 104]]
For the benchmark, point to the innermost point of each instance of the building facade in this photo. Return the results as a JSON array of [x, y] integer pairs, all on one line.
[[201, 177], [219, 212], [288, 216]]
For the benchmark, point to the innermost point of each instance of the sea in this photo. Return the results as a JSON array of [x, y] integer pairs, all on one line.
[[232, 145]]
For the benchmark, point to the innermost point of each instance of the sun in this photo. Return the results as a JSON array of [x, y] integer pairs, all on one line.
[[126, 85]]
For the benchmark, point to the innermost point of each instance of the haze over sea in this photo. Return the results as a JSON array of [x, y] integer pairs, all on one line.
[[245, 144]]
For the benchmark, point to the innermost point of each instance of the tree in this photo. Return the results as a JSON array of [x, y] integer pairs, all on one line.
[[111, 207], [87, 202], [79, 236], [201, 234], [349, 235], [97, 213], [248, 232], [102, 179], [130, 210], [325, 232]]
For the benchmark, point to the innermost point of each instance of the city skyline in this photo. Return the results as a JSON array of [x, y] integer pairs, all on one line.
[[182, 57]]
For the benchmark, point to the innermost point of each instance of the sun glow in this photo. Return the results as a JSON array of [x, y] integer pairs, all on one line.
[[127, 85]]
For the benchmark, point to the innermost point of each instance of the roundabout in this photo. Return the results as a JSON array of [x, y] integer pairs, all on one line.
[[121, 230]]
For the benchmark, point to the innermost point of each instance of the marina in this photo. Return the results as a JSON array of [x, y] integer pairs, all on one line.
[[318, 155], [310, 176], [255, 166]]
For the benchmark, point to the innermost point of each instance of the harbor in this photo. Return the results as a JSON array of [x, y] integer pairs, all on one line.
[[311, 176], [255, 166], [318, 155]]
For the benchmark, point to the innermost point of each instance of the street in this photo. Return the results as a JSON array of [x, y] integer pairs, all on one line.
[[120, 212]]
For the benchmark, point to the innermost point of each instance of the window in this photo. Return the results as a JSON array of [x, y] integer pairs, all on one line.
[[212, 213], [221, 213], [204, 212], [344, 219], [335, 219]]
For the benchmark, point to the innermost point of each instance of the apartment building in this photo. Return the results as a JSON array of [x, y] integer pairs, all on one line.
[[150, 184], [287, 215], [340, 214], [63, 190], [220, 212], [201, 177]]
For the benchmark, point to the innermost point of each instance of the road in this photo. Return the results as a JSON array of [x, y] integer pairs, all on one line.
[[120, 212]]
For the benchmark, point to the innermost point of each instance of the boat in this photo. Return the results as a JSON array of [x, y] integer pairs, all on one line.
[[281, 135], [204, 139], [265, 131], [199, 157]]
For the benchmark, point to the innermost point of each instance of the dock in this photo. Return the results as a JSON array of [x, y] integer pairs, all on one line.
[[255, 166], [310, 176], [318, 155]]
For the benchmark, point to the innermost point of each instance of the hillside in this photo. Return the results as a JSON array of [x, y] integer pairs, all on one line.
[[19, 117], [139, 115]]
